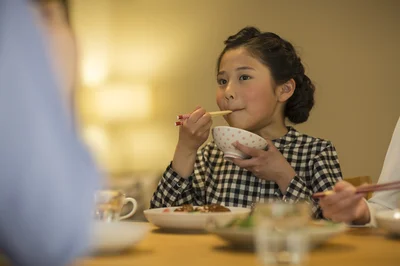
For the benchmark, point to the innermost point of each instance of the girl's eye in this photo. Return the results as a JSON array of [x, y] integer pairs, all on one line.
[[221, 81], [244, 77]]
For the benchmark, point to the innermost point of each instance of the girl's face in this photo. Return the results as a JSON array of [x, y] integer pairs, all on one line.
[[245, 86]]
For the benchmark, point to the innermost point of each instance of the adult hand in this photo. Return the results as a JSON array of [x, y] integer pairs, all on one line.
[[345, 205]]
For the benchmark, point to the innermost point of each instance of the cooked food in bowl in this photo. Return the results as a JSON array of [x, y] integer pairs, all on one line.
[[248, 222], [202, 209], [196, 217]]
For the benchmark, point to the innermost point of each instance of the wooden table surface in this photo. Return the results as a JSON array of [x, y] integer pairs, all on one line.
[[356, 247]]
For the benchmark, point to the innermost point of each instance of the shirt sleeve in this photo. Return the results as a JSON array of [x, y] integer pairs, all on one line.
[[174, 190], [373, 208], [390, 172], [47, 177], [325, 173]]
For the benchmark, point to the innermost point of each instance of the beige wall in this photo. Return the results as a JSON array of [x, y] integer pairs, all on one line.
[[350, 48]]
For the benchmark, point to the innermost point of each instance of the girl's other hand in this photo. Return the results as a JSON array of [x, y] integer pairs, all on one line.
[[267, 164]]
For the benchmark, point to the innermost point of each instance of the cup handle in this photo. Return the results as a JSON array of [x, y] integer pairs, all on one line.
[[134, 208]]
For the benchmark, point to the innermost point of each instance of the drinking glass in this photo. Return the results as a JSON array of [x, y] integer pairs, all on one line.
[[280, 232]]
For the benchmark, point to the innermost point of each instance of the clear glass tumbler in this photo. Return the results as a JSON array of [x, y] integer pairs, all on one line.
[[280, 232]]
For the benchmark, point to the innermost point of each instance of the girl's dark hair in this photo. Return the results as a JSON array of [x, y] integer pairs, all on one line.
[[282, 60]]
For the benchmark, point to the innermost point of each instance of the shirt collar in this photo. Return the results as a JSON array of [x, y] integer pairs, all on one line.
[[290, 137]]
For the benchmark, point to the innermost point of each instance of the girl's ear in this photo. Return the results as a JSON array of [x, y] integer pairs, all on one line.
[[286, 90]]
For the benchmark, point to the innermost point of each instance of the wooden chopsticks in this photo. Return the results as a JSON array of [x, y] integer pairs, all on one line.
[[364, 189], [213, 114]]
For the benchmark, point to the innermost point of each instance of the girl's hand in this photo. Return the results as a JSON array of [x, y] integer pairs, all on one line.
[[267, 164], [344, 205], [195, 130]]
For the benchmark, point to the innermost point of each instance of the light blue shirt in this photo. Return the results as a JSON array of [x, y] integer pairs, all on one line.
[[47, 178]]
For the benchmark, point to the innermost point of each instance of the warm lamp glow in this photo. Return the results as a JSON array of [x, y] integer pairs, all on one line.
[[146, 146], [94, 71], [115, 103], [97, 140], [139, 60]]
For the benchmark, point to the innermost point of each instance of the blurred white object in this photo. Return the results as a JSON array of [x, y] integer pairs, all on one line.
[[116, 236], [389, 221]]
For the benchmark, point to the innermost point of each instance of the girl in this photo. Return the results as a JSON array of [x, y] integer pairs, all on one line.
[[261, 79]]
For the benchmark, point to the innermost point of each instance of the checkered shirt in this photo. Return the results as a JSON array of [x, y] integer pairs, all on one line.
[[216, 180]]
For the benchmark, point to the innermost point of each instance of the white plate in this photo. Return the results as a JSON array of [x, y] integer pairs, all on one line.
[[243, 237], [192, 221], [116, 236], [389, 221]]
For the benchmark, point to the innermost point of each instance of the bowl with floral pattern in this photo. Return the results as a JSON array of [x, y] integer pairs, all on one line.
[[225, 137]]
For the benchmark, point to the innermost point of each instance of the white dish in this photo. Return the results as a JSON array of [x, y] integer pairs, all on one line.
[[110, 237], [243, 237], [389, 221], [192, 221]]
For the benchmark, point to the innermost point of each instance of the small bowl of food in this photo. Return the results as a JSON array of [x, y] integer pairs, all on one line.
[[240, 232], [225, 137]]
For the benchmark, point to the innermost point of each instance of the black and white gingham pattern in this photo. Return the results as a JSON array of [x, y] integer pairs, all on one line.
[[216, 180]]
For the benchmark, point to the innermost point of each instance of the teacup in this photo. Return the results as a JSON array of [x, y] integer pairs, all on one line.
[[225, 137], [109, 204]]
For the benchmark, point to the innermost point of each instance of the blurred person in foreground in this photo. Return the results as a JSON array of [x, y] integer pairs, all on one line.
[[47, 178], [347, 206]]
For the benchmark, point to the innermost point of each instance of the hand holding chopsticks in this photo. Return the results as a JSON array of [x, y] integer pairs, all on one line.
[[364, 189], [213, 114]]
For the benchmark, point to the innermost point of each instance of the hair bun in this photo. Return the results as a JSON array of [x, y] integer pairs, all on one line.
[[242, 36]]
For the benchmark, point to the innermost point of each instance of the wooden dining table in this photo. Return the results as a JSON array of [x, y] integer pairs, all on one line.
[[355, 247]]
